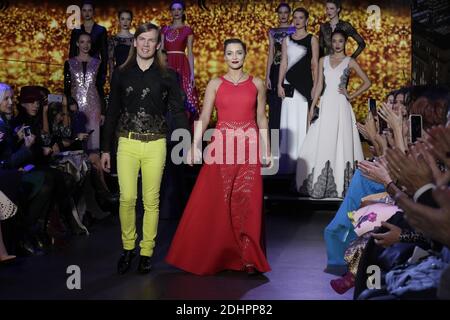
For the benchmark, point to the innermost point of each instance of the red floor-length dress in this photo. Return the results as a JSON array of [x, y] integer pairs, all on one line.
[[175, 42], [222, 227]]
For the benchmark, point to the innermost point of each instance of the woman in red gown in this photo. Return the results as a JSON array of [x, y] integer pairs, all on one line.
[[176, 38], [222, 227]]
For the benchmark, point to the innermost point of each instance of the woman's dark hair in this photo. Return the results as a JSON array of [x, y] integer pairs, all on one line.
[[182, 4], [88, 2], [342, 33], [53, 109], [305, 12], [146, 27], [406, 92], [125, 11], [83, 33], [391, 93], [337, 3], [432, 105], [283, 5], [234, 40]]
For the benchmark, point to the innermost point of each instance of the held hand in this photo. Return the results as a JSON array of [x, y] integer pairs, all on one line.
[[281, 93], [362, 129], [29, 140], [310, 115], [344, 91], [82, 136], [106, 162], [47, 151], [45, 109], [56, 149], [194, 156], [267, 161], [268, 84], [20, 133]]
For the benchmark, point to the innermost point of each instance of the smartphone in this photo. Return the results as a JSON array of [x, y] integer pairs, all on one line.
[[27, 131], [372, 103], [28, 168], [55, 98], [415, 127]]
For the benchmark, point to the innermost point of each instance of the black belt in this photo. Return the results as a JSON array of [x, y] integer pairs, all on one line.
[[145, 137]]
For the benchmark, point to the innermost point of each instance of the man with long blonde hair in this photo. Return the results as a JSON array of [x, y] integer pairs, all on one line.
[[139, 89]]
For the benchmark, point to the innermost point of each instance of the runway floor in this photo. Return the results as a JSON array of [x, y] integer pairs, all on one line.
[[295, 248]]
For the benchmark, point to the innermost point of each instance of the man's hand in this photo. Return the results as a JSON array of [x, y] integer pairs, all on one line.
[[389, 238], [106, 162], [435, 223]]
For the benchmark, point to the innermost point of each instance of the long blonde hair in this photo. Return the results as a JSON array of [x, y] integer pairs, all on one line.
[[131, 59]]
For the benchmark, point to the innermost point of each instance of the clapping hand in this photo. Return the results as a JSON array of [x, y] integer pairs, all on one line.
[[434, 223], [438, 143], [393, 119], [411, 171]]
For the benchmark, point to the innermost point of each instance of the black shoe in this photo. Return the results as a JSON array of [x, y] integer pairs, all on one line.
[[145, 265], [124, 263], [108, 197]]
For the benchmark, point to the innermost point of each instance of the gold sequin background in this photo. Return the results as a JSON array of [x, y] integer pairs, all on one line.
[[34, 38]]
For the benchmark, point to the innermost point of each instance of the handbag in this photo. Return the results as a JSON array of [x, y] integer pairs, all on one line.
[[315, 114], [288, 90], [7, 208]]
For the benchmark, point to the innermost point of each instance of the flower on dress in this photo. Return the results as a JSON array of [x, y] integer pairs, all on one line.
[[144, 93], [129, 90]]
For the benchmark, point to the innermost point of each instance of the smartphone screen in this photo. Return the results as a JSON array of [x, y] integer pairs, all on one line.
[[27, 131], [372, 106], [415, 129], [54, 98]]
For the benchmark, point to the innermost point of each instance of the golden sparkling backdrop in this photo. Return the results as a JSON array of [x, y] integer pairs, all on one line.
[[34, 40]]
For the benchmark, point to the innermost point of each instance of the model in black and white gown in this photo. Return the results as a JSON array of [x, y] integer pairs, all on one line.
[[299, 63]]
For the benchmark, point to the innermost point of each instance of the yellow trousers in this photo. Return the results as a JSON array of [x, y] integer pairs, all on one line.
[[149, 157]]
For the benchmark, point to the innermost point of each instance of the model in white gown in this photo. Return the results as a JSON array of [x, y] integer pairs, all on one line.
[[332, 146]]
